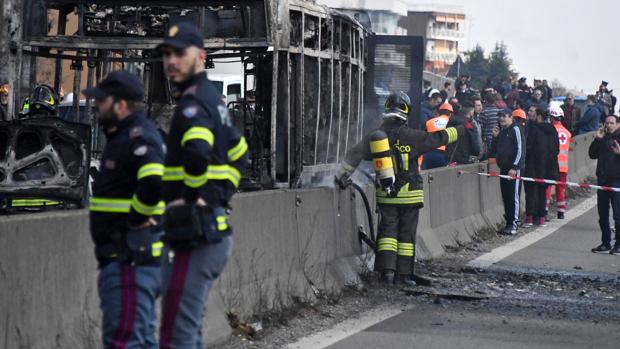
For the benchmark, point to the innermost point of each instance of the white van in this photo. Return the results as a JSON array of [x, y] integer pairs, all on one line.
[[228, 85]]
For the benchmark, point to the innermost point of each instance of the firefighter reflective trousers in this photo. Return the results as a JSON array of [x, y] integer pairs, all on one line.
[[396, 238]]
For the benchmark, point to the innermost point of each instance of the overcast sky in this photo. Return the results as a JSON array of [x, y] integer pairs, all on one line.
[[576, 41]]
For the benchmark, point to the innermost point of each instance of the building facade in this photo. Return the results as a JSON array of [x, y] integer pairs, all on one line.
[[444, 31]]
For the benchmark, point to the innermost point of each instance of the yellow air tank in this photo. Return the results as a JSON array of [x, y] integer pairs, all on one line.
[[382, 160]]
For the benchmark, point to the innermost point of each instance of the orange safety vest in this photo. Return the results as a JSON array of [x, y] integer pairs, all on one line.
[[564, 136], [438, 124]]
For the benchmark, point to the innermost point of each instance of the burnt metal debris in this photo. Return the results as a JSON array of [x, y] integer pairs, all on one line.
[[44, 158]]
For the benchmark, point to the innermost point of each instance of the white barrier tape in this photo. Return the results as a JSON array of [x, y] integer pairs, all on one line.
[[546, 181]]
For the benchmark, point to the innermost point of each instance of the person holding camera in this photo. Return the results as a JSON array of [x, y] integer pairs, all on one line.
[[606, 148]]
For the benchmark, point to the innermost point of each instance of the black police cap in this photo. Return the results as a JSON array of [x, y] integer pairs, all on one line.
[[119, 84], [181, 36]]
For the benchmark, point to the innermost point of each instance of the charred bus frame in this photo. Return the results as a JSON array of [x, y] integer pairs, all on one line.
[[309, 64]]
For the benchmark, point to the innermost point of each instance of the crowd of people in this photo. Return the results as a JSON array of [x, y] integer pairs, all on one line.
[[480, 110], [527, 133]]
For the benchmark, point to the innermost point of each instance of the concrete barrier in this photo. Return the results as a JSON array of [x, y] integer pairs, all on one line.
[[580, 165], [290, 246], [457, 206]]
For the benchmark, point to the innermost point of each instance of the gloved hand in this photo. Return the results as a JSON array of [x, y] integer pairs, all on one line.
[[391, 191]]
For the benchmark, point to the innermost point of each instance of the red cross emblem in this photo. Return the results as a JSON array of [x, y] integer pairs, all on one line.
[[563, 138]]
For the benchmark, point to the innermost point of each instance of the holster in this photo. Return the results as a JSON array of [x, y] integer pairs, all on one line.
[[144, 246], [192, 224], [139, 247]]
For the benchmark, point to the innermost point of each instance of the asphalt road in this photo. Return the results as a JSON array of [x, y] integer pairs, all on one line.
[[529, 318], [568, 249], [431, 326]]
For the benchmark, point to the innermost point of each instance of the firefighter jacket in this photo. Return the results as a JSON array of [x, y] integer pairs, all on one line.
[[126, 191], [467, 148], [437, 124], [205, 152], [564, 137], [407, 144]]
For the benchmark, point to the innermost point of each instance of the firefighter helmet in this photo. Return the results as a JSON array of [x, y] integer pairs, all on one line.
[[397, 106], [43, 99]]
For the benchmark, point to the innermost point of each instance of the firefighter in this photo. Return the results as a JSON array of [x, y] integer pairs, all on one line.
[[124, 213], [564, 138], [395, 148], [24, 109], [4, 102], [43, 101], [201, 175]]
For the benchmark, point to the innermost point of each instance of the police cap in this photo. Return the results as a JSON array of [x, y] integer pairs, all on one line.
[[119, 84], [181, 36]]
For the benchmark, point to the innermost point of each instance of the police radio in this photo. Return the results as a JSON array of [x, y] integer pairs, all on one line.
[[383, 162]]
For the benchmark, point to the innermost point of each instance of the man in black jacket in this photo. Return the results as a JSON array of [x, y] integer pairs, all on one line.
[[543, 148], [467, 148], [606, 149], [508, 147]]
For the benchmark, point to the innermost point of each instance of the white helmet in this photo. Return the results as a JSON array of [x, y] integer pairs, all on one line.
[[555, 110], [431, 93]]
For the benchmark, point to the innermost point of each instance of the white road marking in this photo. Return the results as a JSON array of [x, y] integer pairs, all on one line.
[[488, 259], [347, 328]]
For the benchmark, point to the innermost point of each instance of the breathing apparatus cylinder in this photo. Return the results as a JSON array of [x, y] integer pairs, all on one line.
[[383, 161]]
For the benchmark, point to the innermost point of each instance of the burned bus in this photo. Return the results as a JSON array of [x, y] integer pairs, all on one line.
[[309, 79]]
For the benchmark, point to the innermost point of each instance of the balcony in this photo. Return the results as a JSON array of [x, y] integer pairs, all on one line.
[[447, 57], [445, 34]]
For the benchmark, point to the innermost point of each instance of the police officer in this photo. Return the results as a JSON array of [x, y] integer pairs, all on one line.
[[395, 145], [124, 212], [201, 175]]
